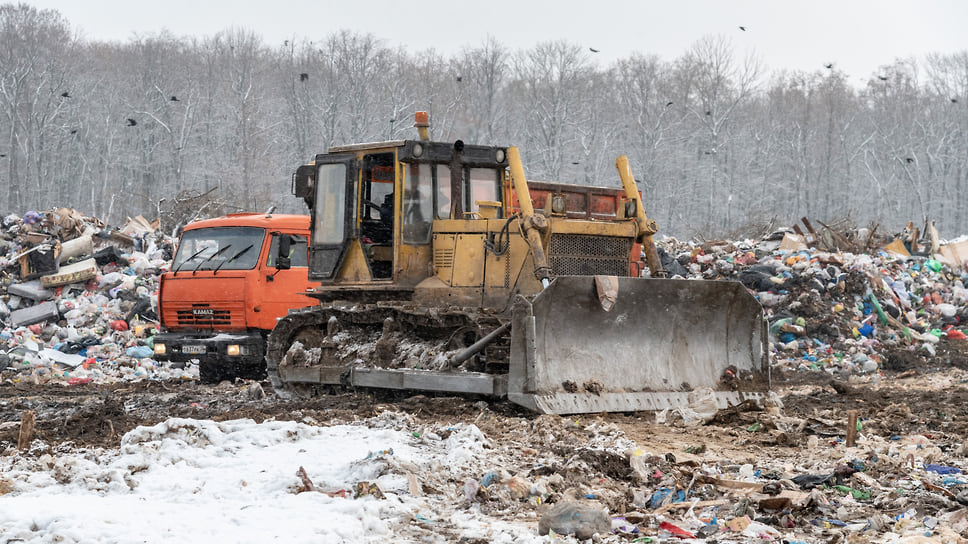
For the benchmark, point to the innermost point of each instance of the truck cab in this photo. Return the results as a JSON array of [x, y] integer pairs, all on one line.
[[231, 278]]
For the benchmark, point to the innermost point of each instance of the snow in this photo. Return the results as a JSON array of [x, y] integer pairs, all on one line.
[[186, 480]]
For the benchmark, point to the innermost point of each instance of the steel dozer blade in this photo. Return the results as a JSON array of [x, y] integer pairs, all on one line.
[[661, 339]]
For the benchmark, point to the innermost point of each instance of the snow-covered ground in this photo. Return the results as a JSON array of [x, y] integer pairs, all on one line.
[[186, 480]]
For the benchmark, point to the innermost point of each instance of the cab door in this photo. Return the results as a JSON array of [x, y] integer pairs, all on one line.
[[333, 214]]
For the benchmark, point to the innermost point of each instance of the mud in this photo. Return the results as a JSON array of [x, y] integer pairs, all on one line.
[[99, 415], [926, 400]]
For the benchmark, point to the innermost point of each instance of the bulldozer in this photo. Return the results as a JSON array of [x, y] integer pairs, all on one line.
[[439, 274]]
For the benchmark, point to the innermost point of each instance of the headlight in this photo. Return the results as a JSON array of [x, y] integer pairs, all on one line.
[[159, 349], [499, 156], [233, 350], [558, 204], [417, 150]]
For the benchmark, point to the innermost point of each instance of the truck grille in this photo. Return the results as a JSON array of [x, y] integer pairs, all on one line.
[[582, 255], [206, 316]]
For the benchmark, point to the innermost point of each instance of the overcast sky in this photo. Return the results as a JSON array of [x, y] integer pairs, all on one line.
[[857, 35]]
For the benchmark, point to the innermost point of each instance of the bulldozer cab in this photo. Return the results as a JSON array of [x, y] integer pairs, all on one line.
[[374, 206]]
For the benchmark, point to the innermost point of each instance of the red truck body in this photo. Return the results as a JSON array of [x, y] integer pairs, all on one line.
[[223, 292]]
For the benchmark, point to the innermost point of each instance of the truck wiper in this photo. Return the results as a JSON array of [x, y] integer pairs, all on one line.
[[210, 257], [232, 258], [190, 259]]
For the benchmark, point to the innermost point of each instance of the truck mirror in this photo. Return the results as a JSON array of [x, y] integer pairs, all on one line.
[[282, 259]]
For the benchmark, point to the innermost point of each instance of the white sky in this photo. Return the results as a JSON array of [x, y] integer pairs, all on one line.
[[858, 36]]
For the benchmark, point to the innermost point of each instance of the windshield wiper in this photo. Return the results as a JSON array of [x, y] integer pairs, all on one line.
[[190, 259], [232, 258], [210, 257]]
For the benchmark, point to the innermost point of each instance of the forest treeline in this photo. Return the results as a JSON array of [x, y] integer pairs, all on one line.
[[716, 143]]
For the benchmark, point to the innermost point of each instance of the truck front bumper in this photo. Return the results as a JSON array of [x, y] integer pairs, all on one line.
[[220, 356]]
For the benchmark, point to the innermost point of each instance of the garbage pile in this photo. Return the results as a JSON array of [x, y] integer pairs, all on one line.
[[899, 489], [841, 312], [79, 299]]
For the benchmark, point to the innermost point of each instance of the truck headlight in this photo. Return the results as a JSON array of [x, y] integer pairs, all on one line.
[[160, 349], [233, 350]]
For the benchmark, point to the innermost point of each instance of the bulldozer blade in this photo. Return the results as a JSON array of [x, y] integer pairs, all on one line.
[[661, 339]]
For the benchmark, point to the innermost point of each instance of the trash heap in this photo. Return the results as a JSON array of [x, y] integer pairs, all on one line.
[[842, 312], [899, 489], [79, 299]]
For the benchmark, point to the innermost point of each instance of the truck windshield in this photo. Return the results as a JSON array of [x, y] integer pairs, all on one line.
[[218, 248]]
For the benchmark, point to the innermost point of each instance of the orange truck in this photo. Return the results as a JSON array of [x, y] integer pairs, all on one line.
[[231, 278]]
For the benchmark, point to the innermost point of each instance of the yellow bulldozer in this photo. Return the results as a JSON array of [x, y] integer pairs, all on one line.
[[438, 273]]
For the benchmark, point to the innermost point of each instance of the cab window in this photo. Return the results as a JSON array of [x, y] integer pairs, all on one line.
[[298, 251]]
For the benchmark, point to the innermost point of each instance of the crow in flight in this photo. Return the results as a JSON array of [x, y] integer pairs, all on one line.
[[131, 122]]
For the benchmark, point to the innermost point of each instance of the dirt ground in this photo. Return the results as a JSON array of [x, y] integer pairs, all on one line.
[[919, 398], [99, 415]]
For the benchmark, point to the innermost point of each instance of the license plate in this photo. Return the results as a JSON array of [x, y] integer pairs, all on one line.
[[193, 350]]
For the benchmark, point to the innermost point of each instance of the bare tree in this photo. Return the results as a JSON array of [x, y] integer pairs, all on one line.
[[550, 80], [35, 54], [711, 86]]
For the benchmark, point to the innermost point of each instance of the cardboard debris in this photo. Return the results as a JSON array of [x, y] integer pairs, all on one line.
[[793, 242], [72, 223], [897, 247], [139, 225], [954, 255], [72, 273]]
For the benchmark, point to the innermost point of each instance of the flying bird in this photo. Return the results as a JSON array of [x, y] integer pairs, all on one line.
[[668, 103], [459, 78], [829, 66], [131, 122], [954, 100], [709, 112], [908, 160], [593, 50], [743, 28], [882, 78], [303, 76], [66, 94], [173, 98], [74, 131]]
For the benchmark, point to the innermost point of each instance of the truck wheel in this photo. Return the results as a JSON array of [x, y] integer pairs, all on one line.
[[209, 373]]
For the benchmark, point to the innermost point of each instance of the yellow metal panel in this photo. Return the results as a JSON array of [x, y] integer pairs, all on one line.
[[415, 264], [354, 267], [469, 261], [444, 249], [624, 229]]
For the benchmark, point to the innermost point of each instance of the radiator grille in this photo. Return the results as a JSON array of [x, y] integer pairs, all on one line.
[[581, 255], [207, 316]]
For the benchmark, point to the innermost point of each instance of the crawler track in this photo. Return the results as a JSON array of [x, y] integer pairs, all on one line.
[[382, 335]]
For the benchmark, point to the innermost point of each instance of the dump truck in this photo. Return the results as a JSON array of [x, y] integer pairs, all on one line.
[[431, 282], [230, 279]]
